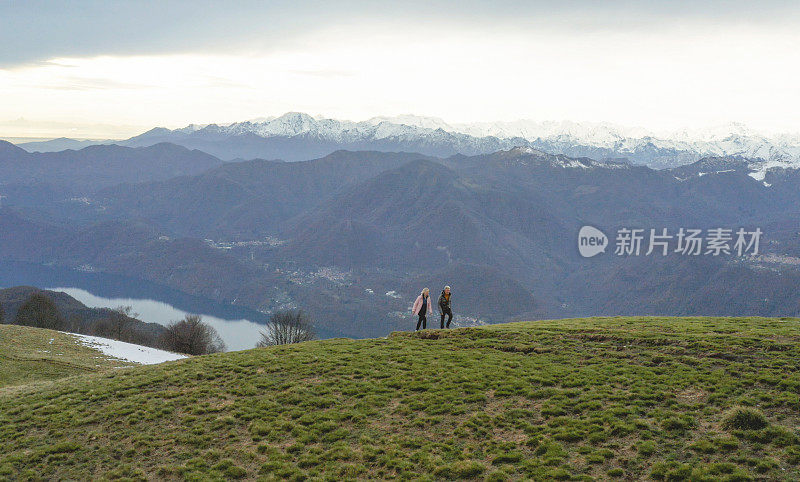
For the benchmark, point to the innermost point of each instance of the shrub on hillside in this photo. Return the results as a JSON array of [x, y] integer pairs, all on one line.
[[2, 315], [744, 418], [286, 327], [41, 312], [192, 337]]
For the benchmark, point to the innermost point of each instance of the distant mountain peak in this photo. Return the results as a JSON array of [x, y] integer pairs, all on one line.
[[299, 136], [192, 128], [158, 130], [8, 149], [413, 121], [526, 151]]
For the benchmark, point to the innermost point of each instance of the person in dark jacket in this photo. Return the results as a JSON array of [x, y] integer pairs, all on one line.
[[422, 307], [444, 307]]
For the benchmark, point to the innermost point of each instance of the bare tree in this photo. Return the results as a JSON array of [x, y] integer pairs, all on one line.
[[192, 337], [120, 320], [286, 327], [118, 324], [39, 311], [75, 324]]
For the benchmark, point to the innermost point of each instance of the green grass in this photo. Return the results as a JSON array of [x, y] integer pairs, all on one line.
[[601, 398], [32, 354]]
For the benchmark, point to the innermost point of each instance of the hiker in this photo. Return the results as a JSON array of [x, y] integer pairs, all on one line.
[[444, 307], [422, 306]]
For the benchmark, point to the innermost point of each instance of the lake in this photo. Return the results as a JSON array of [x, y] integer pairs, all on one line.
[[238, 327], [237, 334]]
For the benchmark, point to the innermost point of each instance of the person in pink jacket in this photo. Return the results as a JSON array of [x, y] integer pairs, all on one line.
[[422, 306]]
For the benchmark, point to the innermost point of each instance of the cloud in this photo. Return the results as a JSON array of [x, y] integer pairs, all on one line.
[[85, 83], [662, 65], [323, 72], [37, 30], [659, 80]]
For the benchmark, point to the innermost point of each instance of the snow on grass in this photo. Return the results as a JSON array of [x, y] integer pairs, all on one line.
[[143, 355]]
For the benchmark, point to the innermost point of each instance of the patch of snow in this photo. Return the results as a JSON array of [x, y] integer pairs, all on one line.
[[80, 200], [615, 165], [575, 164], [192, 128], [701, 174], [143, 355], [525, 150], [760, 168]]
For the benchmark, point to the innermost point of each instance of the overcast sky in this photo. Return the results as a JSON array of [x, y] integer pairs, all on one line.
[[114, 69]]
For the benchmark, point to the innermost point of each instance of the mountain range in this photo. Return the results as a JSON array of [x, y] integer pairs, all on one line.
[[353, 236], [100, 165], [297, 136]]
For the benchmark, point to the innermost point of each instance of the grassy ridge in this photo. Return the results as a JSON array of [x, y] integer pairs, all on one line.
[[32, 354], [591, 398]]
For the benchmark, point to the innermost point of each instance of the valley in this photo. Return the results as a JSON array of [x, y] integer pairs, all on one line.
[[334, 235]]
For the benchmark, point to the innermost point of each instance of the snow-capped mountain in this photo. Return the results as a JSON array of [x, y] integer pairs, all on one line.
[[295, 124], [298, 136], [644, 147], [599, 134], [417, 121]]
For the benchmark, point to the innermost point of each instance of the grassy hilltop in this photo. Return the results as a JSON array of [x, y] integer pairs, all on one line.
[[634, 398]]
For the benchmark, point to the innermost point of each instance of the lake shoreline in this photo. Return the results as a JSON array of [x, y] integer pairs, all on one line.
[[239, 327]]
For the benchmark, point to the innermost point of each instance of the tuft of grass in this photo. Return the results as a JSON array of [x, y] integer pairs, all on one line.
[[744, 418], [460, 470], [646, 448], [616, 472]]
